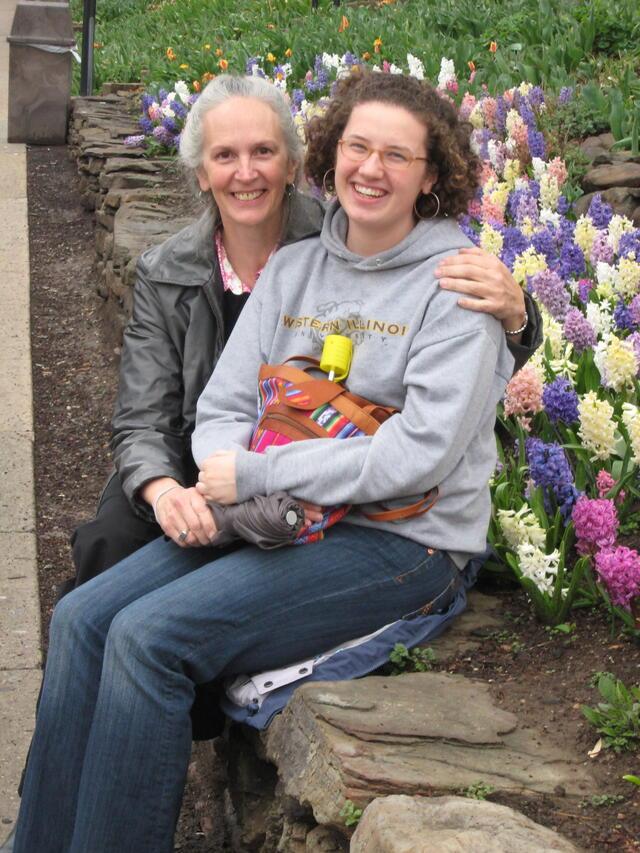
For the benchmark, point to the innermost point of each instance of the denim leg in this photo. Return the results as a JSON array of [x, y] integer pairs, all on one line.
[[248, 610], [78, 630]]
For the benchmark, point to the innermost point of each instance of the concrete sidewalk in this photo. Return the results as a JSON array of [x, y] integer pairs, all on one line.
[[20, 654]]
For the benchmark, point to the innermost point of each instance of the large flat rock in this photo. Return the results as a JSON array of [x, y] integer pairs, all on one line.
[[420, 733], [450, 825]]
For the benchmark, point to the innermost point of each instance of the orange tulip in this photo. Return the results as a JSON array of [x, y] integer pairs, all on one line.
[[196, 86], [288, 53], [170, 54], [219, 51], [366, 55], [493, 46], [472, 65], [377, 44], [344, 23], [207, 76], [223, 64]]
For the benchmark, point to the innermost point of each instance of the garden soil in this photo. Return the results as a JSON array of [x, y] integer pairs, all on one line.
[[544, 678]]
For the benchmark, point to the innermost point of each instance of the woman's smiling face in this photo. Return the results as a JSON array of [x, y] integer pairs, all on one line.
[[377, 198], [245, 163]]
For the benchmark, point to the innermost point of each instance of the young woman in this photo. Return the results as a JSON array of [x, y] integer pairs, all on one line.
[[242, 151], [128, 649]]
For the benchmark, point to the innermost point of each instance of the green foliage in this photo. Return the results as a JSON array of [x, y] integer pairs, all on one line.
[[553, 43], [477, 791], [351, 813], [599, 800], [618, 717], [597, 675], [414, 660], [635, 780]]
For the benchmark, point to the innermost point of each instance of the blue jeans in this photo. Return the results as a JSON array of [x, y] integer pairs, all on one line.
[[113, 735]]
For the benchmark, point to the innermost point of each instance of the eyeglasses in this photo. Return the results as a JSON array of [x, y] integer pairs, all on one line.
[[391, 158]]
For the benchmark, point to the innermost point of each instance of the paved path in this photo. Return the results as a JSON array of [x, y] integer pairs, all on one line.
[[20, 654]]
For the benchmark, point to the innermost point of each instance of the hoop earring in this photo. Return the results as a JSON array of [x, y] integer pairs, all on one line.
[[328, 191], [290, 190], [423, 195]]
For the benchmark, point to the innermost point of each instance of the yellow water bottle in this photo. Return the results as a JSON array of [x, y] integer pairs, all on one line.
[[336, 357]]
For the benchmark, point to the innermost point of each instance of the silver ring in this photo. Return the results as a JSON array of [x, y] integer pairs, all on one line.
[[182, 535]]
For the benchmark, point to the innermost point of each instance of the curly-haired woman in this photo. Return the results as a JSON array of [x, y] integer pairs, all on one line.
[[127, 650]]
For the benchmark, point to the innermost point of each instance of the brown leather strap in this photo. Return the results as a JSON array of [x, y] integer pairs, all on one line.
[[404, 512], [280, 414]]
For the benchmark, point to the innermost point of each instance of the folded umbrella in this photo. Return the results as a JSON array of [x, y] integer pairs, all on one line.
[[266, 521]]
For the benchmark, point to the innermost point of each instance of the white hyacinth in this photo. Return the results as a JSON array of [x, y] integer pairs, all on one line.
[[182, 91], [447, 73], [521, 527], [416, 68], [539, 567]]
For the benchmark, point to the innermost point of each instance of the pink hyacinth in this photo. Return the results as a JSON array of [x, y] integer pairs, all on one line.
[[467, 105], [605, 482], [524, 393], [596, 524], [557, 169], [491, 211], [619, 570], [489, 108]]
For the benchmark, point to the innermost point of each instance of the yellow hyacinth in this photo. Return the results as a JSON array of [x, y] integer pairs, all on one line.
[[627, 277], [491, 240], [597, 428], [585, 233], [631, 420], [528, 263], [620, 364]]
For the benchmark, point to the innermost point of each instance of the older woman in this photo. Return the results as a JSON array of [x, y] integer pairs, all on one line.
[[127, 650], [241, 147]]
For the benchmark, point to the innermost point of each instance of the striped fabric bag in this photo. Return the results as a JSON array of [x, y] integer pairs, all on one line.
[[294, 405]]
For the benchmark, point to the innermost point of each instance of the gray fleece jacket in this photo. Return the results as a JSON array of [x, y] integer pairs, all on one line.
[[444, 368]]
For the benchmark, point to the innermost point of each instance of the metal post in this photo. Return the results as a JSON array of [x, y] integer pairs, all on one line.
[[88, 35]]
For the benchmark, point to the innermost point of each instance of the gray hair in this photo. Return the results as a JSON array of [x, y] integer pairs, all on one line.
[[217, 91]]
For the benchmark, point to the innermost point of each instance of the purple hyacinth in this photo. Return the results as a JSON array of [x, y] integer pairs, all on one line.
[[467, 228], [164, 136], [560, 401], [566, 94], [634, 309], [162, 94], [550, 470], [578, 330], [134, 141], [297, 97], [350, 59], [146, 125], [544, 242], [624, 317], [513, 245], [563, 205], [550, 290], [572, 262], [585, 286], [630, 244], [169, 124], [501, 115], [537, 146], [599, 212], [146, 102], [179, 108], [600, 249], [536, 97]]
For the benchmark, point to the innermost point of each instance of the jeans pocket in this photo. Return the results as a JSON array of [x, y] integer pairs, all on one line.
[[433, 583]]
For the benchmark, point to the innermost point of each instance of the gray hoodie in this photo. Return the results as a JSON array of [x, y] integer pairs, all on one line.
[[443, 367]]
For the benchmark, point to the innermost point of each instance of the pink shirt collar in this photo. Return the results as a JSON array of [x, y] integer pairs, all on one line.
[[230, 279]]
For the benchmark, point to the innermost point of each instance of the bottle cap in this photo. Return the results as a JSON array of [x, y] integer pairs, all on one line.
[[336, 357]]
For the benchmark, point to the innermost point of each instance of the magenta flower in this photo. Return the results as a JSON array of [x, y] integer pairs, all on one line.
[[605, 482], [619, 570], [596, 524]]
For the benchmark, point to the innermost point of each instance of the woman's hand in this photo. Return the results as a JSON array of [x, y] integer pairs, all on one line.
[[217, 478], [179, 511], [488, 282]]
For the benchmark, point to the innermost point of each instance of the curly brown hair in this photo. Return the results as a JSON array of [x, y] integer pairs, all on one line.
[[448, 138]]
